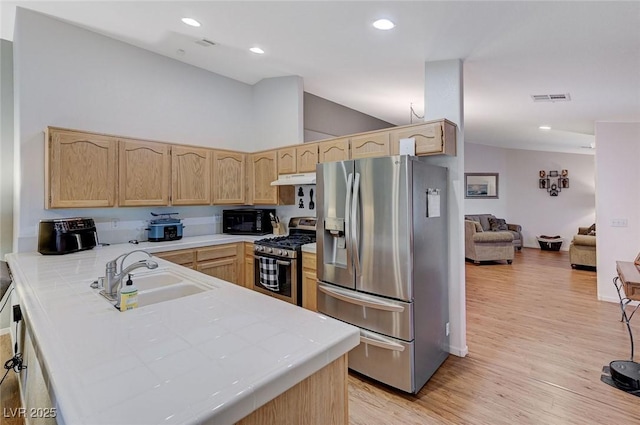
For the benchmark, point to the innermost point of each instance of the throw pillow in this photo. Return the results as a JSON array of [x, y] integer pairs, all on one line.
[[497, 224], [592, 228], [478, 226]]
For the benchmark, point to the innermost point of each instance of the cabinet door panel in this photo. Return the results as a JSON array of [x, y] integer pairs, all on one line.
[[248, 272], [371, 145], [225, 269], [264, 171], [287, 161], [309, 290], [428, 138], [191, 176], [81, 169], [307, 157], [144, 173], [334, 150], [229, 177], [216, 252]]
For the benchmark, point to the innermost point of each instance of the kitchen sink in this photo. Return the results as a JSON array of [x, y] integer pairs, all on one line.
[[170, 292], [157, 279]]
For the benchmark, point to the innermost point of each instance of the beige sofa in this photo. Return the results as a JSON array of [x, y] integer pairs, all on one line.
[[484, 220], [487, 246], [582, 251]]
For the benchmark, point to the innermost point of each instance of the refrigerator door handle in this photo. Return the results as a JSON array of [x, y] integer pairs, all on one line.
[[381, 342], [347, 216], [354, 228], [360, 300]]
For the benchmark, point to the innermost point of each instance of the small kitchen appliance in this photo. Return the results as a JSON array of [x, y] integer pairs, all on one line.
[[165, 228], [278, 261], [65, 235], [247, 221]]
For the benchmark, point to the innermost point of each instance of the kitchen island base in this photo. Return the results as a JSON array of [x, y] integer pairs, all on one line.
[[322, 398]]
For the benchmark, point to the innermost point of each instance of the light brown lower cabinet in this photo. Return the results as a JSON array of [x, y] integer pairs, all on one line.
[[249, 274], [309, 282], [222, 261], [322, 398]]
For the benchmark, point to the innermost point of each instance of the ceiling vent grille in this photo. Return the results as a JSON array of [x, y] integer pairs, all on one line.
[[564, 97], [205, 43]]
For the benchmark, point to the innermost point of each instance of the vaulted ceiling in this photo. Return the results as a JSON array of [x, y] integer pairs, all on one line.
[[510, 51]]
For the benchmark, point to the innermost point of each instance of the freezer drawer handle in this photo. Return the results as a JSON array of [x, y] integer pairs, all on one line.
[[382, 343], [378, 305]]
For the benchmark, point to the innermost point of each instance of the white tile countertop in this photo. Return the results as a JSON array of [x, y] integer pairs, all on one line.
[[310, 248], [212, 357]]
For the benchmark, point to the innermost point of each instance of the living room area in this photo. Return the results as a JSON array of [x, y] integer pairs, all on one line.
[[600, 195]]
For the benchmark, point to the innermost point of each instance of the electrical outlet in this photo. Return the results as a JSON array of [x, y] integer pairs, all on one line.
[[114, 223], [446, 329], [619, 222], [217, 218]]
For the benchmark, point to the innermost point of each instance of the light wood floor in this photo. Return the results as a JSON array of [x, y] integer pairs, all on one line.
[[9, 394], [537, 338]]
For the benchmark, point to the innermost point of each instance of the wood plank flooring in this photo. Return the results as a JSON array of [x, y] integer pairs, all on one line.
[[537, 338], [9, 393]]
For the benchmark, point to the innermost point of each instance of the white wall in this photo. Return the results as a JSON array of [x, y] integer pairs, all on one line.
[[522, 202], [6, 147], [617, 158], [487, 159], [444, 99], [539, 213], [70, 77], [278, 113]]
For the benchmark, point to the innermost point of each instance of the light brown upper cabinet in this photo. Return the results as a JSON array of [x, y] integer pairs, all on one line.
[[370, 145], [334, 150], [287, 161], [80, 169], [145, 173], [191, 176], [264, 170], [431, 138], [307, 157], [228, 177]]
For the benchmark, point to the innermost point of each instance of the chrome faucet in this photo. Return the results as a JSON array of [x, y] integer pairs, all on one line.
[[113, 278]]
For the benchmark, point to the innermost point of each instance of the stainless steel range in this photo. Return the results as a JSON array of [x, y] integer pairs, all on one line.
[[278, 261]]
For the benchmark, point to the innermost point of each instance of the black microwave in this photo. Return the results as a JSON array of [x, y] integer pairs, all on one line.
[[254, 221]]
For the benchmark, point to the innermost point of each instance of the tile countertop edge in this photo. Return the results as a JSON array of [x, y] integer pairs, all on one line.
[[310, 248], [260, 392]]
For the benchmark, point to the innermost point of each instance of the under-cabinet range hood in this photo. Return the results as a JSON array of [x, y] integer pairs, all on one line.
[[295, 179]]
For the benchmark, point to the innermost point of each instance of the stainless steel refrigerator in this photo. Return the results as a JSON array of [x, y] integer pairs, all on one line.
[[382, 257]]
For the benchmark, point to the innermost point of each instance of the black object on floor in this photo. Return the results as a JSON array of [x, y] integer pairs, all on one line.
[[5, 278], [608, 378]]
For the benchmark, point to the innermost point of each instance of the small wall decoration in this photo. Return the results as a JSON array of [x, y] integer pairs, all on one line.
[[481, 185], [553, 181]]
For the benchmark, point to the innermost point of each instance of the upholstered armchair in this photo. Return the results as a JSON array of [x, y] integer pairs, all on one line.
[[487, 246], [582, 251]]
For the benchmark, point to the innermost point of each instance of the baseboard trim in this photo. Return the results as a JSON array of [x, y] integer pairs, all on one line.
[[4, 331], [460, 352], [616, 300]]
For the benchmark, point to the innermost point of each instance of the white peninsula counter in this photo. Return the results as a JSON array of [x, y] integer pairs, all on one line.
[[213, 357]]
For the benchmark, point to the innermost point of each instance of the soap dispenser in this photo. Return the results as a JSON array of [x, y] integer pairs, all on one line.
[[128, 296]]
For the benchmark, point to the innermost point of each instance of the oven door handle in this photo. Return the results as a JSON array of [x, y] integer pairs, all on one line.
[[279, 262]]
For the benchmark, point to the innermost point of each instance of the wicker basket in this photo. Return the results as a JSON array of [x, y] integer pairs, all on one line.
[[550, 243]]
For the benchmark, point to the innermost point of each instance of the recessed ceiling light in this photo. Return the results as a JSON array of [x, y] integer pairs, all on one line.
[[383, 24], [544, 127], [257, 50], [190, 21]]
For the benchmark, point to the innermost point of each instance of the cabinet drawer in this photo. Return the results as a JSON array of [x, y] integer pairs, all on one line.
[[308, 261], [215, 252], [184, 257]]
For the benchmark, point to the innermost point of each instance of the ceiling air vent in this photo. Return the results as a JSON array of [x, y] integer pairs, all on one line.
[[564, 97], [205, 43]]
